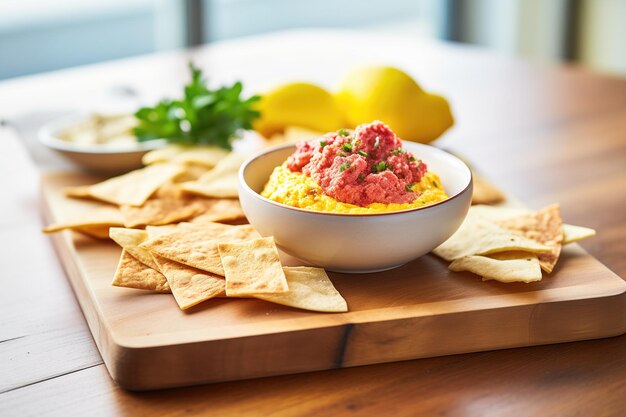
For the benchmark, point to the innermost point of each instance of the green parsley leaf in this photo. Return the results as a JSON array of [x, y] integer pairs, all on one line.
[[380, 167], [362, 153], [412, 159], [344, 166], [409, 187], [343, 132], [201, 117], [323, 143], [347, 147]]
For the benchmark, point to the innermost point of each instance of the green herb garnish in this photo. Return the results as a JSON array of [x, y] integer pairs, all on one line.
[[201, 117], [362, 153], [361, 177], [380, 167], [347, 147], [412, 159], [323, 143], [344, 166], [343, 132], [434, 183], [409, 187]]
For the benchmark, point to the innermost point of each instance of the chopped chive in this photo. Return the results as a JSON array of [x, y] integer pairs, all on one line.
[[409, 187], [347, 147], [395, 152], [343, 132], [344, 166], [412, 159], [381, 166], [362, 153], [323, 143]]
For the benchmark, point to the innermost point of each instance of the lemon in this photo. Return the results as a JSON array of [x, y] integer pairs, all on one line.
[[392, 96], [298, 104]]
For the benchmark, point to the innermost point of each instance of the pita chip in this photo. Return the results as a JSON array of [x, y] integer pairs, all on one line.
[[309, 289], [252, 267], [544, 226], [189, 286], [134, 274]]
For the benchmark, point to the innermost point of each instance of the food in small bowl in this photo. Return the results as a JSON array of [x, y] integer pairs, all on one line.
[[100, 143], [356, 201]]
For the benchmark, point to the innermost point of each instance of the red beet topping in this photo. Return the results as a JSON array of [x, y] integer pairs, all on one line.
[[364, 166]]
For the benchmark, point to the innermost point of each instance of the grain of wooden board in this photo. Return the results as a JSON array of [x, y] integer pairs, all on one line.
[[418, 310]]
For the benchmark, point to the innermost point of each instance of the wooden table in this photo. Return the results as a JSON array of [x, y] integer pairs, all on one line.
[[544, 134]]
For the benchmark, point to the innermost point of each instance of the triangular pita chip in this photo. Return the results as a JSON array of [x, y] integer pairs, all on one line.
[[485, 192], [221, 181], [573, 233], [129, 240], [503, 267], [154, 231], [221, 187], [81, 191], [99, 232], [309, 289], [160, 211], [544, 226], [252, 267], [99, 218], [195, 245], [135, 187], [190, 286], [134, 274], [478, 236], [219, 210]]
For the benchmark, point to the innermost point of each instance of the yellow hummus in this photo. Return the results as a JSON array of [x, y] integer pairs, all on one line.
[[297, 190]]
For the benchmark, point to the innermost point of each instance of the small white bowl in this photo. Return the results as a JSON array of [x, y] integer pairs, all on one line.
[[102, 159], [357, 243]]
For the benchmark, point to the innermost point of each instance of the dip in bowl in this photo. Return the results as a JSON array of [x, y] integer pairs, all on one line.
[[350, 238]]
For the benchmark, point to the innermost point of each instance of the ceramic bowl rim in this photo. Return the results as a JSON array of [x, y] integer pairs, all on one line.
[[47, 135], [253, 158]]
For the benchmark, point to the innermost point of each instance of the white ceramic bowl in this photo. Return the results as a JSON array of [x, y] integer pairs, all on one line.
[[357, 243], [102, 159]]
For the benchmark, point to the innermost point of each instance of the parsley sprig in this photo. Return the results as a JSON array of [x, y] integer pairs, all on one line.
[[202, 117]]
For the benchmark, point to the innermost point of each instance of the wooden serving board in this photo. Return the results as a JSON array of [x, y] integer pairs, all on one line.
[[419, 310]]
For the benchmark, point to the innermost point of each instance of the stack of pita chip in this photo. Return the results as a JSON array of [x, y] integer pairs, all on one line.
[[182, 231], [201, 260], [177, 184], [508, 244]]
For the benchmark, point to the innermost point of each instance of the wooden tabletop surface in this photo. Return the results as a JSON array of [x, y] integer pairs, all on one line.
[[543, 133]]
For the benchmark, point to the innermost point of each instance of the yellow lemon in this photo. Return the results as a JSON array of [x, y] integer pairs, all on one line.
[[392, 96], [298, 104]]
